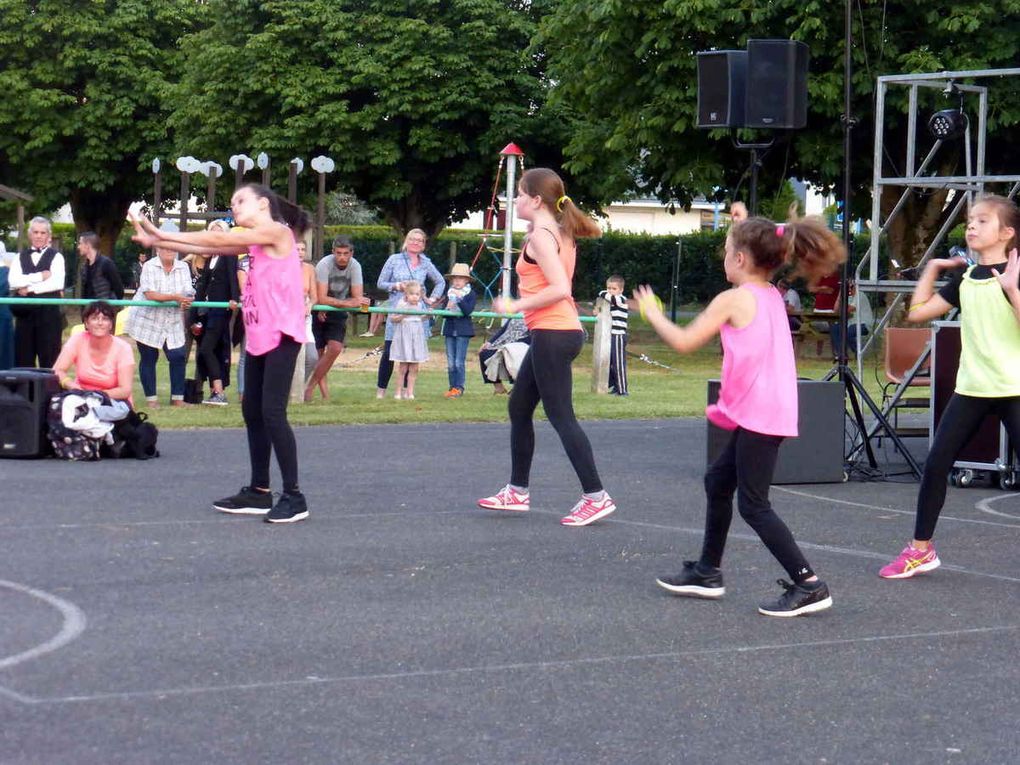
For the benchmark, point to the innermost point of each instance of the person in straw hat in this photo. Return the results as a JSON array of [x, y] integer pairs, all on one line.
[[458, 330]]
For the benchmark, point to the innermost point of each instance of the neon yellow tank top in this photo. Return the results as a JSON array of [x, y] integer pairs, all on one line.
[[990, 339]]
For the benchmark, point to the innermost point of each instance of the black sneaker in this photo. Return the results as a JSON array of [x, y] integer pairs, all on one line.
[[246, 502], [289, 508], [694, 584], [798, 599]]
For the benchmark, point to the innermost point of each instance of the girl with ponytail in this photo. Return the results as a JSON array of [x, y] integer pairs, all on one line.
[[545, 270], [274, 320], [757, 400]]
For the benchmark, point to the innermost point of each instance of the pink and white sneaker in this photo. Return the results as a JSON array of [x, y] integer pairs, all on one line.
[[507, 498], [589, 510], [910, 562]]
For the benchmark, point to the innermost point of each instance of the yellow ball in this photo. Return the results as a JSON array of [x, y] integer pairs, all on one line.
[[641, 306]]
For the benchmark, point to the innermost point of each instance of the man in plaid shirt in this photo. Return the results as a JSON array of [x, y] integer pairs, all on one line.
[[167, 280]]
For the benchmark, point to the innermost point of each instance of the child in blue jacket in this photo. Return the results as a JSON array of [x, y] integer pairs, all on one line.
[[458, 330]]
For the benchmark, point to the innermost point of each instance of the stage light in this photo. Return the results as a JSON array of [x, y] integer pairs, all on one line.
[[948, 124]]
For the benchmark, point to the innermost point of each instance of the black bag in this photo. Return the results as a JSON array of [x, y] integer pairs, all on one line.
[[193, 391], [136, 437]]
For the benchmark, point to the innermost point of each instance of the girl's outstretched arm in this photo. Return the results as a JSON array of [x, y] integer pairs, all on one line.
[[705, 326]]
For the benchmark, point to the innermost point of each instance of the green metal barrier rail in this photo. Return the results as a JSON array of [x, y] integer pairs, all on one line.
[[26, 301]]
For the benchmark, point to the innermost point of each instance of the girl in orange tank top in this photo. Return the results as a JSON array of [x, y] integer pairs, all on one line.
[[545, 269]]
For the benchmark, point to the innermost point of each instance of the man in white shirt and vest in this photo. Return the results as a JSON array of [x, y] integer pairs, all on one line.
[[38, 272]]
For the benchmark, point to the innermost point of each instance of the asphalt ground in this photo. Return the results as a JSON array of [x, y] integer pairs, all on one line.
[[401, 624]]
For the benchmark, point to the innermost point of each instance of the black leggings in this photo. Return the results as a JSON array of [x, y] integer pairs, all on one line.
[[267, 381], [545, 376], [210, 346], [960, 421], [746, 466], [386, 368]]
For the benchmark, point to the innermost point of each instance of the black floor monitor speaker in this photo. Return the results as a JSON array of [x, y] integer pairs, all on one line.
[[24, 397], [776, 84], [816, 455], [721, 78]]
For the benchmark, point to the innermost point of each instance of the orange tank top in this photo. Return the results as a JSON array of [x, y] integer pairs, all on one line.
[[531, 279]]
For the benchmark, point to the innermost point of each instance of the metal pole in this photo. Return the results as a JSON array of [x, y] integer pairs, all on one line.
[[210, 192], [754, 182], [320, 218], [292, 184], [508, 231], [185, 193]]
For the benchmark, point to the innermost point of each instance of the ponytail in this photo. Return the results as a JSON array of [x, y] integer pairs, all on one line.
[[805, 244], [545, 183], [283, 211]]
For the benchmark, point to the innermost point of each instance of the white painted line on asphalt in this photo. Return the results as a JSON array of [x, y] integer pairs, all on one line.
[[518, 666], [20, 698], [72, 627], [806, 545], [318, 516], [984, 506], [911, 513]]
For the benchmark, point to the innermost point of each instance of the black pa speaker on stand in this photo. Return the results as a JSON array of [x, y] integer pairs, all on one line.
[[776, 84], [722, 78]]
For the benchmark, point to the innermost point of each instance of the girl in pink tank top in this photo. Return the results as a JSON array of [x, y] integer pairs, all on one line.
[[757, 400], [274, 319]]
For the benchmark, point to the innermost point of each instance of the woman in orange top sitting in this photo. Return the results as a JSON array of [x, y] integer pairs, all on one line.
[[101, 361], [545, 270]]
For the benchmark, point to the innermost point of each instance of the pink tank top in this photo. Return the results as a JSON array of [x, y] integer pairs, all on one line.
[[759, 373], [273, 301]]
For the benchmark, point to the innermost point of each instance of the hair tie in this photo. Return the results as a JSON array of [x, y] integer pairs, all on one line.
[[560, 201], [780, 230]]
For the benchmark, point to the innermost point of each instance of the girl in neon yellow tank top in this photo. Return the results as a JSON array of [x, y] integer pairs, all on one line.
[[988, 380]]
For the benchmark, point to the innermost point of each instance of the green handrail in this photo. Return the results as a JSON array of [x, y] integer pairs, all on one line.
[[210, 304]]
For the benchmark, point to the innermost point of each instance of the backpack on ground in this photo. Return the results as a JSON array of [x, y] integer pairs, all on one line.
[[135, 436]]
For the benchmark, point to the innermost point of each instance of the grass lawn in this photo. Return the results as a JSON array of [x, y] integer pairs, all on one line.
[[654, 392]]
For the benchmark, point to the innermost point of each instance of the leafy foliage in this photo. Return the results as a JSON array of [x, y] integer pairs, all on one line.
[[412, 100], [81, 112], [627, 73]]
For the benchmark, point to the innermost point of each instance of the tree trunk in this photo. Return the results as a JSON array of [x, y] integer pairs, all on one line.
[[102, 212]]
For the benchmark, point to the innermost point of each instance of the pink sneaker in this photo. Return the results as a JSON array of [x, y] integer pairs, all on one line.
[[507, 498], [588, 511], [911, 561]]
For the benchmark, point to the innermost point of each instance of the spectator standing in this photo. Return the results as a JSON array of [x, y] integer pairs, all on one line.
[[793, 305], [38, 272], [410, 264], [340, 283], [164, 279], [136, 269], [6, 319], [617, 302], [217, 283], [409, 347], [99, 277], [458, 330]]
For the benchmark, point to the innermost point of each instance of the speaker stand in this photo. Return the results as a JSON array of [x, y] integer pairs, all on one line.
[[754, 148]]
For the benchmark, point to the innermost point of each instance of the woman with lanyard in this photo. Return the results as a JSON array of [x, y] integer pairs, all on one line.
[[410, 264], [545, 270]]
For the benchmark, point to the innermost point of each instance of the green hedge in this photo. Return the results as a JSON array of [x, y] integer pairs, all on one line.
[[639, 258]]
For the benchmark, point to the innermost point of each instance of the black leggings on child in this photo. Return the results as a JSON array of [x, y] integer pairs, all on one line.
[[267, 380], [745, 467], [961, 419], [545, 376]]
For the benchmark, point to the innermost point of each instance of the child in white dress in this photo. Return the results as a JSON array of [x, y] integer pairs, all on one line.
[[409, 348]]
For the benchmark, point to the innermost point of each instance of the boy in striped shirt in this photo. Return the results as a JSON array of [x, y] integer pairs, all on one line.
[[614, 296]]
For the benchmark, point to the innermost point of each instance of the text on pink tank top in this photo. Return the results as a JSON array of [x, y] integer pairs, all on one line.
[[274, 300]]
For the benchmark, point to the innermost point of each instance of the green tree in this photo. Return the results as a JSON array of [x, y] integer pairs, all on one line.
[[81, 113], [627, 73], [412, 100]]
